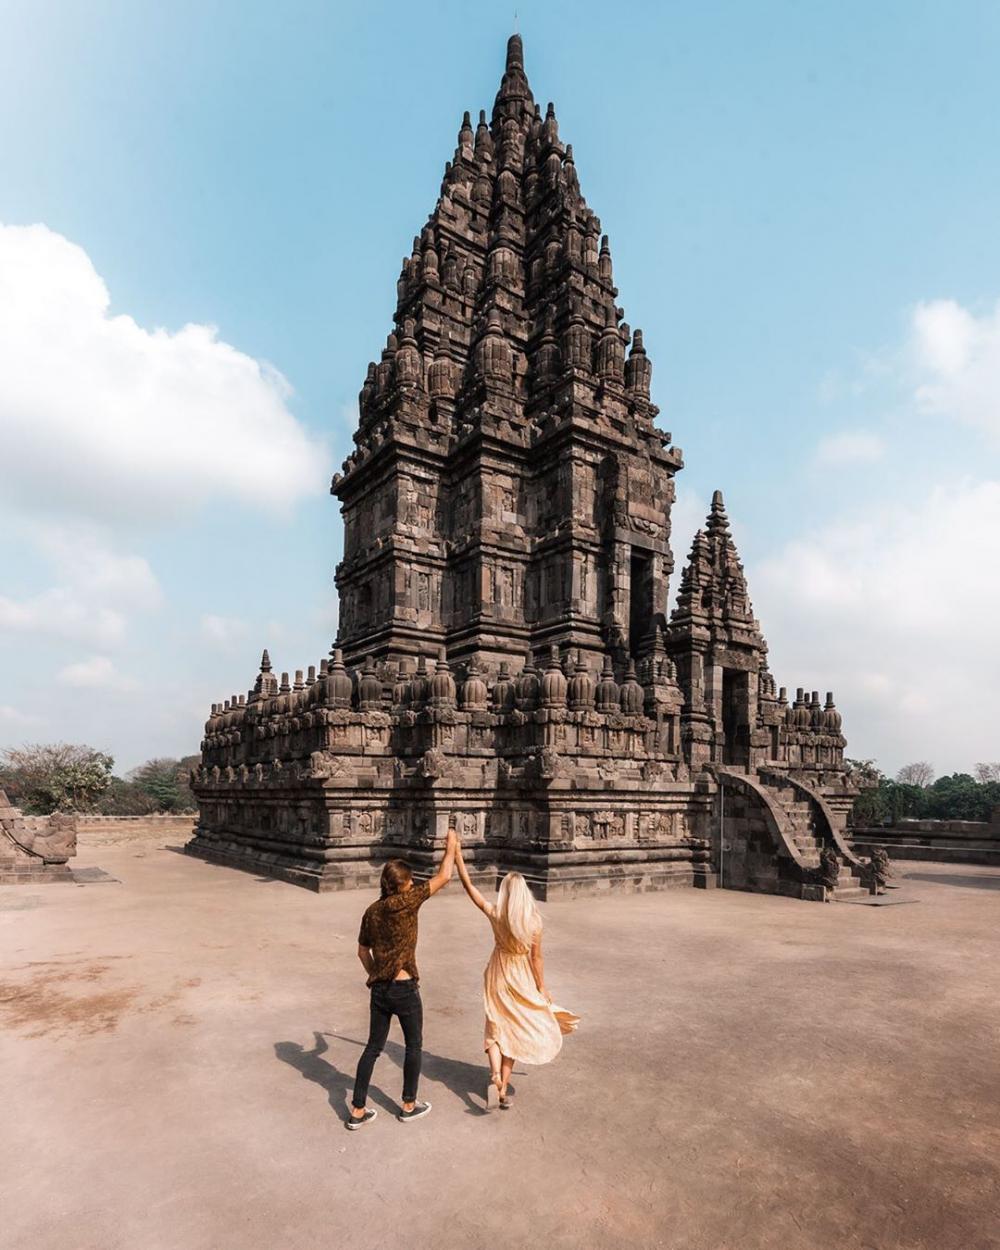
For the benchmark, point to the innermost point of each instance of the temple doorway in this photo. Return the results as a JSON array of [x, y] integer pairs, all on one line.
[[640, 613], [736, 718]]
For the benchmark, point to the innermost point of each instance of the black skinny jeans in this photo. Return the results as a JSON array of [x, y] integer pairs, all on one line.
[[392, 998]]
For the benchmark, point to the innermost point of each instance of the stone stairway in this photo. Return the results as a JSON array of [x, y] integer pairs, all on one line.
[[806, 829], [34, 848], [17, 868]]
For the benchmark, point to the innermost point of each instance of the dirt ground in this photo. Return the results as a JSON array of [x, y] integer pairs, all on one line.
[[177, 1048]]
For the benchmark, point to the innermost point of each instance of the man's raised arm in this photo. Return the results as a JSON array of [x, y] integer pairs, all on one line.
[[443, 874]]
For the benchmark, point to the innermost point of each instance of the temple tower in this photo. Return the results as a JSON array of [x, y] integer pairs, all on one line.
[[503, 665], [508, 488], [718, 648]]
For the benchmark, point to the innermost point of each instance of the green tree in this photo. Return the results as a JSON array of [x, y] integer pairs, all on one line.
[[870, 807], [905, 800], [124, 798], [60, 776], [961, 797], [166, 781], [884, 801]]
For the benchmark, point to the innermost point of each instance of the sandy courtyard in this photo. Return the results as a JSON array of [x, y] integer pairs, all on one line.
[[177, 1048]]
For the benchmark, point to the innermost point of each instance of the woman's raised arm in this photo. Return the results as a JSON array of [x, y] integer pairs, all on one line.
[[470, 889]]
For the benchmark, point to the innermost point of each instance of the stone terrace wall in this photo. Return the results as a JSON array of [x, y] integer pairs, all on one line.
[[946, 841], [117, 830]]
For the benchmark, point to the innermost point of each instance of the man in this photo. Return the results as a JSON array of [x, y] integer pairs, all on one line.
[[387, 947]]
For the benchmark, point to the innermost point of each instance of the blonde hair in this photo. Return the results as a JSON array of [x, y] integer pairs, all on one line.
[[516, 909]]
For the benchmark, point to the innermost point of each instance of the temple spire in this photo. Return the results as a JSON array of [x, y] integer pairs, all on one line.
[[514, 99], [266, 683], [466, 138], [718, 521], [715, 571]]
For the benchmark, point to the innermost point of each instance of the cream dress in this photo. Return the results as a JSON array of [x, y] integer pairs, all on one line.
[[519, 1019]]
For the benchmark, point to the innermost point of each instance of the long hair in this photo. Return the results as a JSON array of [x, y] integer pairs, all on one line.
[[517, 910], [395, 875]]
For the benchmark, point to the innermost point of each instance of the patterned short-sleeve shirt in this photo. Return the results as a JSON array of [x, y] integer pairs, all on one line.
[[389, 930]]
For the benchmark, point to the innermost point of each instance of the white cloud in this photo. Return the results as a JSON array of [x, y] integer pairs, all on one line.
[[103, 417], [62, 613], [84, 557], [12, 717], [98, 587], [895, 609], [850, 447], [97, 672], [222, 629], [893, 601], [956, 358]]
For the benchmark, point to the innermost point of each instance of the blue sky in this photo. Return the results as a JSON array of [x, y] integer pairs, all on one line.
[[802, 203]]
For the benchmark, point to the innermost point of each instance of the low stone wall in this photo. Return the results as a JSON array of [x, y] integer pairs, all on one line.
[[120, 830], [946, 841]]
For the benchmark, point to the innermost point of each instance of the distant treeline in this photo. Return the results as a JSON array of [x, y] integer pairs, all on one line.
[[913, 794], [46, 777]]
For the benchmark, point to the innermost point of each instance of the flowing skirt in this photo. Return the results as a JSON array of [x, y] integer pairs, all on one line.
[[518, 1018]]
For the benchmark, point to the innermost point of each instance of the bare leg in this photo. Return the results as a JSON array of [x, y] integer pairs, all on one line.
[[506, 1068], [493, 1052]]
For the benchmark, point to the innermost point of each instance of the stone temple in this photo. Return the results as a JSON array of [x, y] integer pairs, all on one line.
[[504, 663]]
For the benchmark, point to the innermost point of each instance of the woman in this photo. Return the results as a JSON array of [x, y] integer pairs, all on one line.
[[521, 1022]]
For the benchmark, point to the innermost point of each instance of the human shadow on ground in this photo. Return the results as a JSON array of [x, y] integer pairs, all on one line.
[[467, 1080], [946, 878], [338, 1085]]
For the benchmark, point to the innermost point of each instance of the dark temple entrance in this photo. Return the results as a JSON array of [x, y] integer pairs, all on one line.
[[735, 718], [640, 608]]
